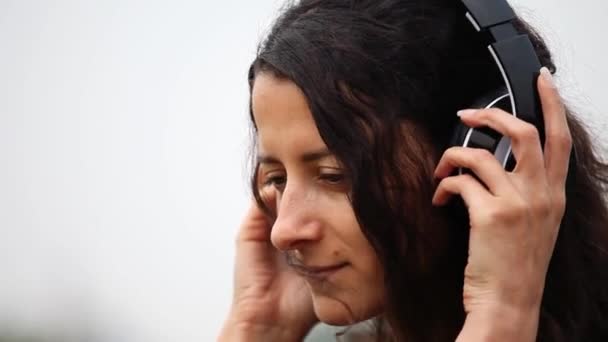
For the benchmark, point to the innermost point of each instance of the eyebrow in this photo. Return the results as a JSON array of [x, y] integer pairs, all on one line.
[[305, 158]]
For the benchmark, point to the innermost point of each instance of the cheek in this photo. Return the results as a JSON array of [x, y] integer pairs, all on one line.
[[366, 276], [349, 233], [358, 294], [345, 238]]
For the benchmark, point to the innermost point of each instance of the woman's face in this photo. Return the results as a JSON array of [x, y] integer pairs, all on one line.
[[315, 222]]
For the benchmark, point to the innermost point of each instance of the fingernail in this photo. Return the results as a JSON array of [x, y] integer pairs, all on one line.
[[466, 112], [547, 76]]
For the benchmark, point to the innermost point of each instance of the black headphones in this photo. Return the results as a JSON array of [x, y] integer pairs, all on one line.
[[519, 65]]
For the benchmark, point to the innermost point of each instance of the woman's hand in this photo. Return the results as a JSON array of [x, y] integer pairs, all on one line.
[[270, 302], [514, 218]]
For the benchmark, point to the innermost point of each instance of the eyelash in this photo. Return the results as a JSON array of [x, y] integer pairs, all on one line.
[[273, 180], [330, 178]]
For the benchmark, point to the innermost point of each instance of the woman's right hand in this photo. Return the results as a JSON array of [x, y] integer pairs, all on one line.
[[270, 301]]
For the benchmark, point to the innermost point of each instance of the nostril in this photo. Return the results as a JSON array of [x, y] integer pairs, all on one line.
[[292, 229], [284, 233]]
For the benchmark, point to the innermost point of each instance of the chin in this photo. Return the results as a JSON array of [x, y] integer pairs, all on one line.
[[338, 312]]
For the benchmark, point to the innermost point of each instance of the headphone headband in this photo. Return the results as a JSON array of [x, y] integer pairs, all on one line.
[[513, 53], [489, 13]]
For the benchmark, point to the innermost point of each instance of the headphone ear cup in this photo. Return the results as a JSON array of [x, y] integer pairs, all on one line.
[[459, 134], [458, 139], [510, 163], [462, 134], [497, 98], [488, 99]]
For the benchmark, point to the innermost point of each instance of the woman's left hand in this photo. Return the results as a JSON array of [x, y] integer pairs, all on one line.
[[514, 218]]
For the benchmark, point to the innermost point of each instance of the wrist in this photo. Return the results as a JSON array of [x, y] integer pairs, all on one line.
[[500, 323]]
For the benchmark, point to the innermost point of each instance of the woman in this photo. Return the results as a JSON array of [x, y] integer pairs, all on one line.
[[358, 213]]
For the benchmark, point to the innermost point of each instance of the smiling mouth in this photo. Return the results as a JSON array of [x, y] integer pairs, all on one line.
[[317, 272]]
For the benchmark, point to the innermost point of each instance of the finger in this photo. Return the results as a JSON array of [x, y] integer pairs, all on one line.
[[524, 136], [483, 163], [472, 192], [256, 224], [269, 196], [558, 141]]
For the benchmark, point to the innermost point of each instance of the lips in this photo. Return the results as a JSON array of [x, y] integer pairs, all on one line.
[[317, 272]]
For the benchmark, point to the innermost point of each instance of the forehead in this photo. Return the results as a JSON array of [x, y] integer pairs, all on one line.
[[282, 116]]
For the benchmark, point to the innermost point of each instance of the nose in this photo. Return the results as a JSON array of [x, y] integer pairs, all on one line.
[[298, 219]]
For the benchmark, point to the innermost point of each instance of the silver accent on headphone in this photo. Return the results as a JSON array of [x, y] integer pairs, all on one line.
[[503, 149], [473, 21], [506, 79]]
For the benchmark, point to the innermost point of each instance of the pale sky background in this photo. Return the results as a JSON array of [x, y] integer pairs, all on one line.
[[123, 131]]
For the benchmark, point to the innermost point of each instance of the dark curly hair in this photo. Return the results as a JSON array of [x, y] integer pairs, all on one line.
[[383, 80]]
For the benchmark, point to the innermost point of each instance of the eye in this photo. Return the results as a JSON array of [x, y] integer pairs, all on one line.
[[332, 178], [276, 180]]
